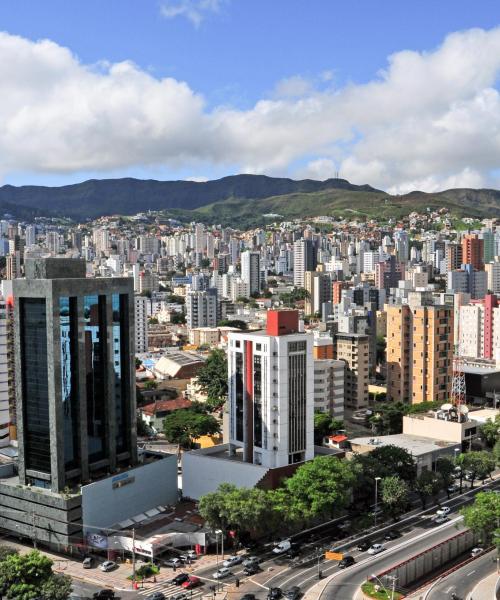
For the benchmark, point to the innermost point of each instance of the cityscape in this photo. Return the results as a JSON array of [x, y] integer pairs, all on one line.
[[249, 339]]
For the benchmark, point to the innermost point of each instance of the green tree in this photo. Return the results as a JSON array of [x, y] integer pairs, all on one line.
[[483, 517], [490, 431], [394, 495], [178, 319], [142, 428], [212, 506], [321, 487], [496, 452], [212, 379], [325, 425], [395, 461], [427, 486], [480, 464], [460, 463], [233, 323], [445, 467], [58, 587], [6, 551], [150, 385], [181, 426]]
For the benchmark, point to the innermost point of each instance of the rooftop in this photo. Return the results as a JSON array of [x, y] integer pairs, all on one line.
[[415, 444]]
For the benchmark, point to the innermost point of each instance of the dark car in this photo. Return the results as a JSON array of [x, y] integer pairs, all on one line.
[[347, 561], [180, 579], [156, 596], [364, 545], [248, 597], [274, 593], [251, 569], [293, 552], [293, 593], [104, 595], [392, 535]]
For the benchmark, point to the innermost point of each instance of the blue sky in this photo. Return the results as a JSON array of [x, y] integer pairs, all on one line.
[[233, 55]]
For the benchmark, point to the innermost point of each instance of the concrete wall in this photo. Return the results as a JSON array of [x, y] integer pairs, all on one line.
[[203, 473], [438, 429], [114, 499]]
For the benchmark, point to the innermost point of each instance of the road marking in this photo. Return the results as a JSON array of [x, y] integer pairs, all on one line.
[[471, 573], [449, 589]]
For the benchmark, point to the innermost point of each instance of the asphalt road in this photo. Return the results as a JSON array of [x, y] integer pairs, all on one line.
[[463, 580], [82, 589]]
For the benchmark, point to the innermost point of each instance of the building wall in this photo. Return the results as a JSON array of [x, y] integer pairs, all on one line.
[[438, 429], [111, 500], [353, 350]]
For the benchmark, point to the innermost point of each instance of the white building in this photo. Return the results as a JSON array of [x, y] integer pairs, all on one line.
[[471, 331], [493, 274], [271, 393], [329, 387], [4, 376], [201, 309], [141, 324], [303, 260], [250, 271]]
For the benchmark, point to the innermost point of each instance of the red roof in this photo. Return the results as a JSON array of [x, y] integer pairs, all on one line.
[[165, 405], [338, 438]]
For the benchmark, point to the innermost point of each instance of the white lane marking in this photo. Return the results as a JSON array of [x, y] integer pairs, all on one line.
[[471, 573]]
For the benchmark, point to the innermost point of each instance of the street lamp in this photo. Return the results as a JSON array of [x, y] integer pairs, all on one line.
[[377, 479], [217, 533], [383, 586]]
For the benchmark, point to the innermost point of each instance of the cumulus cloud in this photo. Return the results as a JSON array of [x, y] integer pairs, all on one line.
[[430, 120], [193, 10]]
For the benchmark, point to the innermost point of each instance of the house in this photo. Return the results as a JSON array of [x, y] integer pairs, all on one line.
[[154, 413]]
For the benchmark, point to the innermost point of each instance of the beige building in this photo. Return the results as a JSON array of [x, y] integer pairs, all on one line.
[[419, 353], [204, 336], [353, 349], [329, 387], [319, 286]]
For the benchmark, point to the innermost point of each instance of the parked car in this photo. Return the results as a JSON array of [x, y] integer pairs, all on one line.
[[375, 549], [293, 552], [221, 573], [347, 561], [173, 562], [104, 595], [439, 520], [108, 565], [476, 552], [393, 534], [364, 545], [179, 597], [248, 597], [293, 593], [444, 510], [274, 593], [156, 596], [232, 560], [282, 547], [191, 582], [88, 562], [251, 569], [180, 579]]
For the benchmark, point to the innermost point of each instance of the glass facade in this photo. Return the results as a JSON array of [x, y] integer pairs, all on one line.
[[68, 323], [120, 367], [257, 401], [94, 310], [35, 384], [296, 401], [239, 395]]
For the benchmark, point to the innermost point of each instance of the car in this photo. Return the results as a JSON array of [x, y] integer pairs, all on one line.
[[452, 488], [293, 552], [282, 547], [476, 552], [440, 519], [221, 573], [88, 562], [250, 560], [180, 579], [232, 560], [444, 510], [251, 569], [364, 545], [375, 549], [108, 565], [173, 562], [393, 534], [156, 596], [248, 597], [346, 561], [179, 597], [274, 593], [104, 595], [191, 582], [292, 593]]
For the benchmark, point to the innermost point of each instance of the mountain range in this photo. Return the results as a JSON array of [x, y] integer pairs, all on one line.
[[239, 200]]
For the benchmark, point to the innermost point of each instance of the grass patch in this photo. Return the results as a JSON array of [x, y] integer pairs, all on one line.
[[145, 571], [370, 589]]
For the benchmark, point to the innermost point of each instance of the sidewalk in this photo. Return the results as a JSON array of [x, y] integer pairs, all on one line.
[[485, 589]]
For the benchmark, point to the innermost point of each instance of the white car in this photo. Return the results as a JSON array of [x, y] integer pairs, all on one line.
[[440, 519], [476, 552], [444, 510], [108, 565], [375, 549], [232, 560], [221, 573], [283, 546]]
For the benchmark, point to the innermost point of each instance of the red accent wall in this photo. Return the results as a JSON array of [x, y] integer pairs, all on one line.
[[249, 401], [490, 302], [282, 322]]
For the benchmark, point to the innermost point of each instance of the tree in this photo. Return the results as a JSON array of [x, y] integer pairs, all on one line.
[[29, 576], [212, 379], [427, 486], [445, 467], [6, 551], [150, 385], [181, 426], [233, 323], [178, 319], [480, 465], [496, 452], [396, 461], [325, 425], [321, 487], [394, 495], [483, 517], [490, 431]]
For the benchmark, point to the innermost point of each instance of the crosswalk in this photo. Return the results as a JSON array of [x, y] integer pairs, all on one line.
[[169, 589]]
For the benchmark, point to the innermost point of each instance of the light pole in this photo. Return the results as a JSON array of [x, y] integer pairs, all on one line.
[[393, 586], [377, 479], [133, 554], [217, 533]]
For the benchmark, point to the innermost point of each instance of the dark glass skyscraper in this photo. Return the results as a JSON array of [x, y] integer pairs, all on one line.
[[74, 374]]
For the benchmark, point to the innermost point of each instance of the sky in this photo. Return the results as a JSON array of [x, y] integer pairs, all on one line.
[[399, 94]]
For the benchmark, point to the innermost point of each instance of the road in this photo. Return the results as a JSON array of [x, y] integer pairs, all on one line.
[[463, 580]]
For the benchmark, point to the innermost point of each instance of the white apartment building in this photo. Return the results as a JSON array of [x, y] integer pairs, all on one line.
[[4, 376], [141, 324], [471, 332], [271, 392], [201, 309], [250, 271], [493, 274], [329, 387]]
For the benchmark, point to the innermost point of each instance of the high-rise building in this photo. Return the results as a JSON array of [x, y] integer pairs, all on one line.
[[476, 328], [319, 286], [141, 324], [388, 273], [5, 408], [354, 349], [53, 240], [201, 309], [468, 280], [488, 238], [303, 260], [473, 251], [30, 235], [250, 271], [453, 257], [493, 275], [419, 353], [402, 245], [13, 265], [329, 387], [271, 392]]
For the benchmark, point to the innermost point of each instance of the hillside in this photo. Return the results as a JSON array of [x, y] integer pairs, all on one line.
[[240, 200]]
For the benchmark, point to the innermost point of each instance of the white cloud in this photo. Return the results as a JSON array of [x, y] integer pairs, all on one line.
[[429, 120], [193, 10]]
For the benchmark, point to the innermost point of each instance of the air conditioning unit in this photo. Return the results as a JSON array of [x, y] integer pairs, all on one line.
[[275, 448]]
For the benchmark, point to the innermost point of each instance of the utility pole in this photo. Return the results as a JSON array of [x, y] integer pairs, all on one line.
[[33, 527], [133, 554]]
